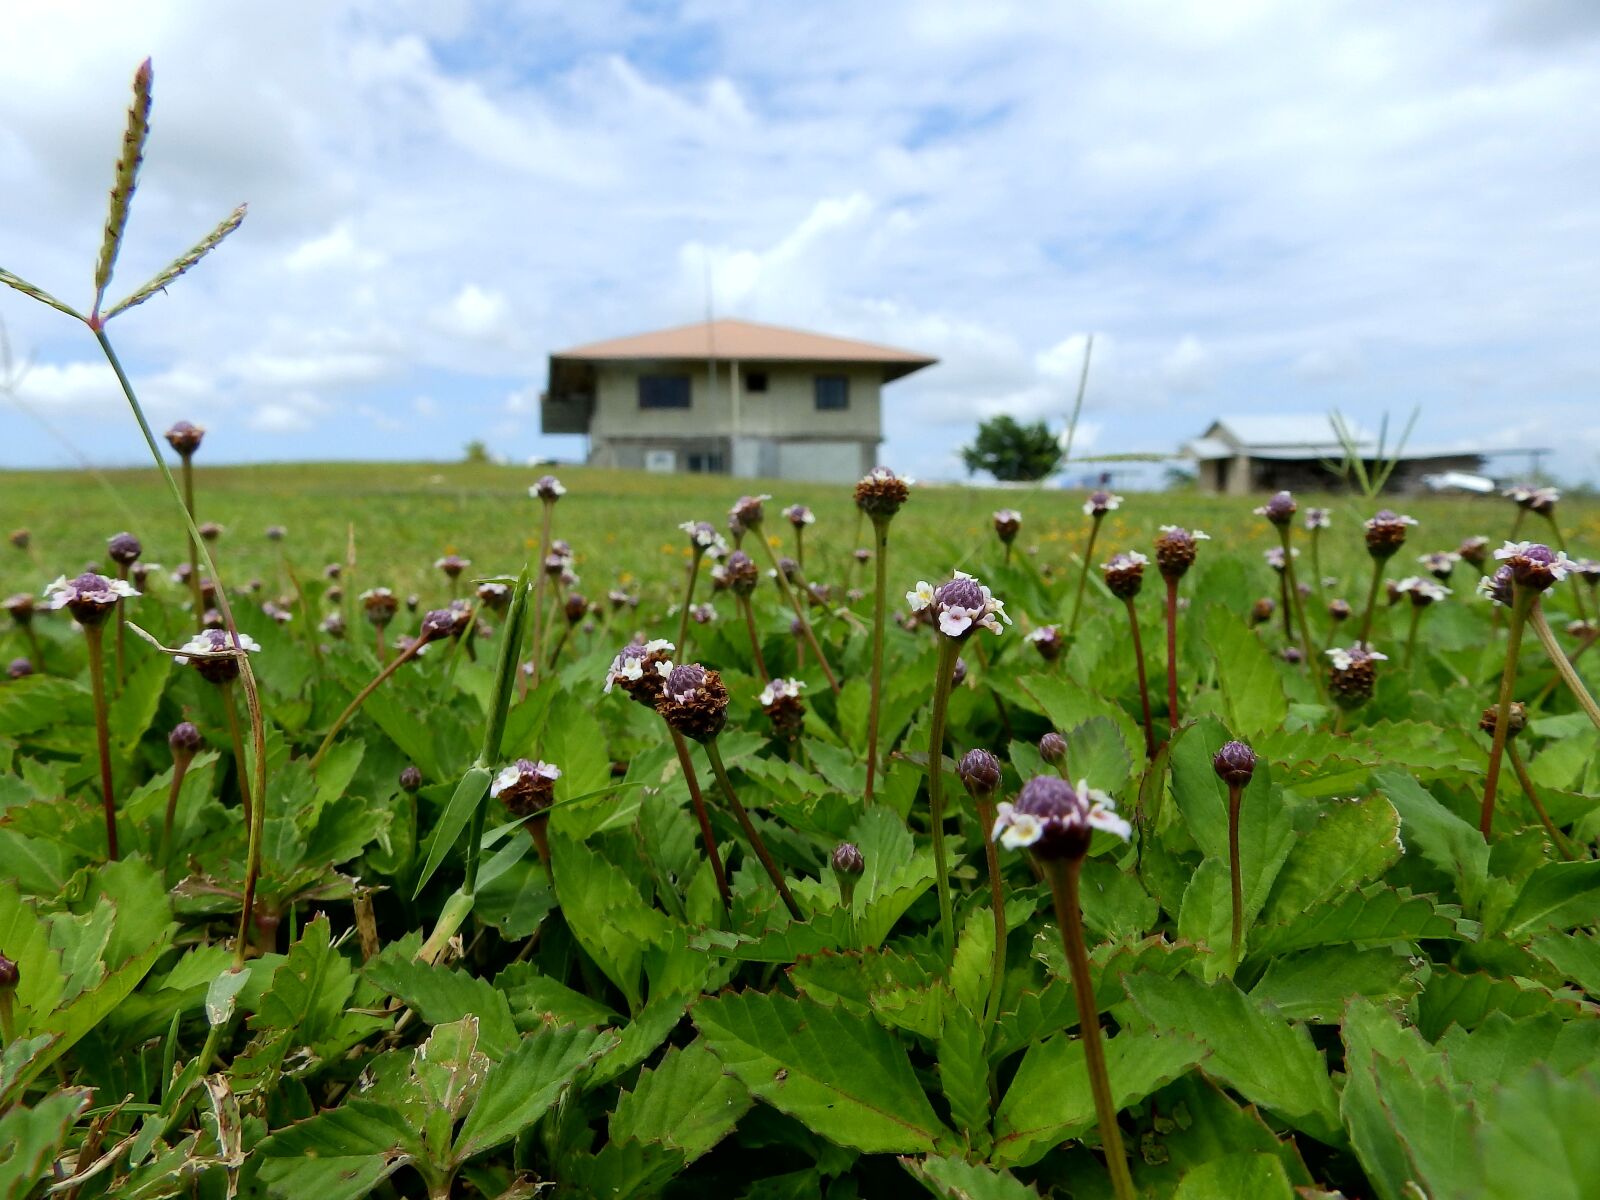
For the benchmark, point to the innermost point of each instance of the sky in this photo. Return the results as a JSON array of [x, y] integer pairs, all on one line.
[[1253, 207]]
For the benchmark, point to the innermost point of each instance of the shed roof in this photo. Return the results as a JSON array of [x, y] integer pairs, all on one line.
[[729, 339]]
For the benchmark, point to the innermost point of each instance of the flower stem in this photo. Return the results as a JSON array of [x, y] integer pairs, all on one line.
[[880, 529], [255, 819], [350, 710], [1292, 587], [1172, 654], [1316, 559], [538, 595], [997, 901], [194, 553], [946, 660], [1561, 545], [308, 626], [1083, 576], [1372, 600], [1557, 839], [180, 768], [1411, 634], [239, 761], [755, 642], [1144, 685], [794, 602], [122, 670], [1569, 673], [751, 833], [102, 733], [1235, 794], [688, 601], [1063, 874], [1521, 601], [686, 764], [1555, 680]]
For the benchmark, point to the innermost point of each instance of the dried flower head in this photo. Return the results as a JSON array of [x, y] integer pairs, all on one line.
[[1422, 592], [1175, 550], [211, 652], [547, 488], [185, 437], [1351, 674], [184, 740], [1056, 820], [1280, 509], [1007, 521], [1047, 640], [1338, 610], [1516, 719], [1100, 503], [1234, 764], [640, 669], [960, 606], [494, 596], [693, 701], [980, 773], [526, 786], [1386, 533], [1124, 574], [881, 493], [124, 549], [1534, 565], [379, 606], [1053, 748], [89, 598], [800, 516]]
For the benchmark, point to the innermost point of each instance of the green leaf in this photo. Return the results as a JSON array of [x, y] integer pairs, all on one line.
[[469, 793], [1576, 956], [1252, 690], [1441, 837], [1263, 1056], [440, 995], [1559, 895], [1468, 998], [1315, 985], [1375, 914], [956, 1179], [33, 1135], [1259, 1176], [537, 1000], [897, 872], [606, 914], [1537, 1137], [964, 1079], [340, 1154], [519, 1089], [1050, 1099], [1351, 843], [39, 701], [686, 1103], [1097, 752], [842, 1077]]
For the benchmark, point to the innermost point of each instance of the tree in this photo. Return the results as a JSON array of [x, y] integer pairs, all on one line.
[[1012, 451], [476, 451]]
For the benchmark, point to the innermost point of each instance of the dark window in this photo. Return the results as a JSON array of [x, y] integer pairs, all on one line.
[[663, 391], [755, 381], [833, 392], [704, 464]]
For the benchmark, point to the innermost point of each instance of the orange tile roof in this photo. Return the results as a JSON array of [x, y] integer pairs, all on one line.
[[747, 341]]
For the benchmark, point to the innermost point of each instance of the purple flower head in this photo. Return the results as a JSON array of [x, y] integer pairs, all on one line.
[[1422, 592], [1124, 574], [1047, 640], [800, 516], [332, 624], [379, 605], [1386, 533], [547, 488], [410, 779], [881, 493], [1534, 565], [1175, 550], [1292, 655], [89, 598], [211, 653], [1234, 764], [1007, 521], [694, 701], [958, 673], [748, 512], [18, 668], [1587, 569], [332, 571], [847, 860], [1338, 610], [185, 437], [1279, 510], [494, 596], [742, 573], [1053, 748], [526, 786], [1441, 564], [124, 549], [703, 535], [960, 606], [1352, 675], [863, 555], [980, 773], [184, 740], [1056, 820], [1474, 550], [702, 614], [452, 565], [439, 623], [21, 607], [1275, 557], [1318, 518], [1100, 503], [640, 669], [210, 530]]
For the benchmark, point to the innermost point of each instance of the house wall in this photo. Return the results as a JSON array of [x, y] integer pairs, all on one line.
[[1244, 475]]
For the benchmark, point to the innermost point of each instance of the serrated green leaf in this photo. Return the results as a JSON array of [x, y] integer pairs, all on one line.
[[32, 1136], [1263, 1056], [964, 1079], [843, 1078], [520, 1088], [340, 1154], [1377, 913], [1537, 1138], [1559, 895], [1050, 1099], [1252, 691], [1575, 955], [440, 995], [1351, 843], [1440, 836], [687, 1103], [1314, 985], [1259, 1176], [956, 1179]]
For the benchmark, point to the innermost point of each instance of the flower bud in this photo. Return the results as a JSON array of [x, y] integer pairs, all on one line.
[[1234, 764], [1386, 533], [210, 530], [980, 773], [21, 538], [10, 975], [1292, 655], [1175, 550], [1516, 719], [276, 533], [19, 668], [1124, 574], [1006, 524], [848, 867], [184, 741], [1279, 510], [958, 673], [881, 493], [452, 565], [694, 702], [410, 780], [185, 438], [1261, 611], [124, 549], [1338, 610], [1053, 748]]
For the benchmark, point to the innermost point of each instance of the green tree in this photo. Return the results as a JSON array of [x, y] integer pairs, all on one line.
[[1012, 451], [476, 452]]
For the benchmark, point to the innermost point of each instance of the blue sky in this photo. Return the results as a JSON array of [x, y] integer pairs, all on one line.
[[1252, 206]]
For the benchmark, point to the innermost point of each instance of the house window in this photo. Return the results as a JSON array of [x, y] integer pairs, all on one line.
[[833, 393], [709, 463], [755, 382], [663, 391]]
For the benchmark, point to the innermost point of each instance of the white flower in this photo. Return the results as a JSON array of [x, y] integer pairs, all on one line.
[[1014, 830], [548, 484], [1558, 566], [517, 771], [212, 643], [1194, 534], [1044, 633], [1318, 518], [921, 597], [659, 646], [778, 689], [63, 591], [1109, 503], [1126, 559], [1430, 588]]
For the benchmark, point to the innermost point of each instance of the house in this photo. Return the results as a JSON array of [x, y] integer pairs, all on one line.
[[727, 397], [1239, 455]]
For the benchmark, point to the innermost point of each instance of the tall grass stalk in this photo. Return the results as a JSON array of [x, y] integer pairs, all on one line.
[[880, 589]]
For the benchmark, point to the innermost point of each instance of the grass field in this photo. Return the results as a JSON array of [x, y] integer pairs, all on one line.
[[623, 525]]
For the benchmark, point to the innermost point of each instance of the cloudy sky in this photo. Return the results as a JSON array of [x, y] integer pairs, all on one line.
[[1254, 207]]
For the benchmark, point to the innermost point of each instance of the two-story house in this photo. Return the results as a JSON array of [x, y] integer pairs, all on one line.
[[727, 397]]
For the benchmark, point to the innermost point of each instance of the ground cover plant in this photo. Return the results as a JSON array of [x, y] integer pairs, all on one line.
[[594, 837]]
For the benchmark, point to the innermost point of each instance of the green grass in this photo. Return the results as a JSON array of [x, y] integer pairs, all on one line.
[[623, 525]]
